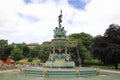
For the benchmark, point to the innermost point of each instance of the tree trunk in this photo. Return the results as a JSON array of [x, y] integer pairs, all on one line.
[[82, 61], [116, 65]]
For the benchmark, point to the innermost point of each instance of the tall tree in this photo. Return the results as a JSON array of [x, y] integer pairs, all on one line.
[[34, 53], [23, 46], [84, 42], [44, 53], [16, 54], [98, 48], [107, 47], [112, 35], [3, 48], [26, 51]]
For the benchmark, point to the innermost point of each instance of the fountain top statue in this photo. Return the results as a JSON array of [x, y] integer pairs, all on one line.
[[59, 31], [60, 18]]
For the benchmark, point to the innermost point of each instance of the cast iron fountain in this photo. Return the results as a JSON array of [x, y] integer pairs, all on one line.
[[60, 63]]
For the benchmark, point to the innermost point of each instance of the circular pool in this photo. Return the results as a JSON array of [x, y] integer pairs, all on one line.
[[16, 75]]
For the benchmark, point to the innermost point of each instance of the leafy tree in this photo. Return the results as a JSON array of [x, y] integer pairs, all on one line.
[[7, 51], [44, 53], [98, 48], [84, 42], [24, 48], [107, 48], [26, 51], [34, 53], [16, 54], [112, 35], [40, 52], [3, 48], [86, 39], [3, 43]]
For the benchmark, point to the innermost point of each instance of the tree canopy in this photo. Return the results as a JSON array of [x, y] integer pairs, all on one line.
[[5, 50], [84, 42], [16, 54], [107, 48]]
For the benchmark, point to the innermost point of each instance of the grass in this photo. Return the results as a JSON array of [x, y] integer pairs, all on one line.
[[0, 62], [36, 60], [95, 64]]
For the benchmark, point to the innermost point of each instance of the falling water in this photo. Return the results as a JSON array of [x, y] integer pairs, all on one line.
[[78, 56]]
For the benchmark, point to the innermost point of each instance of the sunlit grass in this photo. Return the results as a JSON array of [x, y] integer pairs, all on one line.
[[95, 63], [0, 61]]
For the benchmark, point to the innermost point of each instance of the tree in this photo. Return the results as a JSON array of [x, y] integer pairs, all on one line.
[[16, 54], [24, 48], [44, 53], [26, 51], [98, 48], [6, 53], [34, 53], [3, 48], [112, 35], [3, 43], [84, 42], [107, 47]]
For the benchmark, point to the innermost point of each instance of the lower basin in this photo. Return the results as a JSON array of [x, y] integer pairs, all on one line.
[[60, 72], [16, 75]]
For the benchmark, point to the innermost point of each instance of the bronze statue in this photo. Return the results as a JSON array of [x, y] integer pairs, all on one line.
[[60, 17]]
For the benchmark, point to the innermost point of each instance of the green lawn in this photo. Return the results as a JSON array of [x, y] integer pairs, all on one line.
[[94, 63]]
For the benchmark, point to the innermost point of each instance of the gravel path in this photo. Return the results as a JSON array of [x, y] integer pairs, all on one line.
[[13, 70], [110, 70]]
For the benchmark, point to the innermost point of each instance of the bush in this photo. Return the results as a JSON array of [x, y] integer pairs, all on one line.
[[30, 60]]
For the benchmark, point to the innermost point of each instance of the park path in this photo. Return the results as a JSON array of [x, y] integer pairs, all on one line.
[[110, 70], [13, 70]]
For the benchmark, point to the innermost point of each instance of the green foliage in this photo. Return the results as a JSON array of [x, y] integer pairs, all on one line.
[[34, 53], [107, 48], [84, 42], [30, 60], [98, 47], [5, 50], [26, 51], [3, 43], [44, 53], [40, 52], [24, 48], [17, 54]]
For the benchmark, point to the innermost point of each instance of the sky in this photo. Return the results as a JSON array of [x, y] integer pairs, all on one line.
[[33, 21]]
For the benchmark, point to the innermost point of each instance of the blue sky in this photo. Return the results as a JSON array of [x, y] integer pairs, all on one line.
[[27, 1], [33, 21], [77, 4]]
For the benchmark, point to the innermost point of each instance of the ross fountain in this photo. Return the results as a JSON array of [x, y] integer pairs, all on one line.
[[60, 63]]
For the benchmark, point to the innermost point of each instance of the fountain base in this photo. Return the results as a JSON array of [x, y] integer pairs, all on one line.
[[58, 72]]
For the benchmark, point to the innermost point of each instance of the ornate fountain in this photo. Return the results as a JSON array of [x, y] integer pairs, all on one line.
[[60, 56], [59, 63]]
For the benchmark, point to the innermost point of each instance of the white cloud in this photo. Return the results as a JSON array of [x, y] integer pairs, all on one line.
[[96, 17]]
